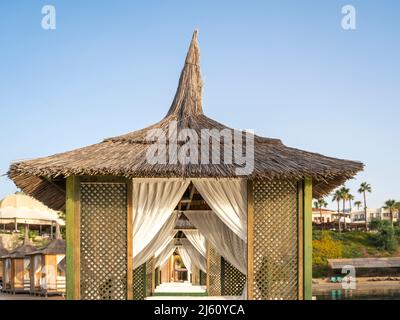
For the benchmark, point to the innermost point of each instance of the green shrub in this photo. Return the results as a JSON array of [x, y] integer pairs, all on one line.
[[386, 238], [375, 224], [326, 248], [397, 232]]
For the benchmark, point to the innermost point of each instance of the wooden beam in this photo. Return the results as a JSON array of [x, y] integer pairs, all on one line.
[[190, 197], [307, 239], [300, 224], [250, 240], [72, 238]]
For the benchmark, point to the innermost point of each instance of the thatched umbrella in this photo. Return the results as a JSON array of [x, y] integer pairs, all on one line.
[[44, 178]]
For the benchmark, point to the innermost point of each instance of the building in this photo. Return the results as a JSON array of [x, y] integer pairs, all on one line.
[[358, 215]]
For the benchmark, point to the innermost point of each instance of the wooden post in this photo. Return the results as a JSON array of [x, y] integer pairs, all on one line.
[[129, 241], [250, 240], [153, 274], [194, 275], [208, 267], [300, 224], [72, 238], [307, 239]]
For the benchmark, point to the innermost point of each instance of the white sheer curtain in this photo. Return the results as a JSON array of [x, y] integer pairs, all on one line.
[[197, 258], [159, 241], [153, 203], [197, 240], [228, 199], [187, 261], [164, 255], [227, 243]]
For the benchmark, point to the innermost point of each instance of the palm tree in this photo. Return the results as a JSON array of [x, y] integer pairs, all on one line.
[[345, 192], [337, 196], [358, 204], [365, 187], [391, 205], [350, 198], [319, 204]]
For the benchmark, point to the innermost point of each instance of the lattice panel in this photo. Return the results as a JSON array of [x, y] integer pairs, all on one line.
[[139, 282], [232, 281], [149, 277], [275, 233], [103, 241], [214, 272]]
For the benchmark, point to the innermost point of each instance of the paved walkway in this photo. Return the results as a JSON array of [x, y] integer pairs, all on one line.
[[180, 287], [23, 296], [184, 291]]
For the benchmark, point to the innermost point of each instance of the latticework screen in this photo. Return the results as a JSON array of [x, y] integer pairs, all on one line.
[[103, 241], [149, 277], [232, 280], [214, 272], [275, 247], [139, 282]]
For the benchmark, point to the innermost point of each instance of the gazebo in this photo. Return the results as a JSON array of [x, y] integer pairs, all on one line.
[[123, 195], [3, 252], [22, 209], [47, 272], [17, 268]]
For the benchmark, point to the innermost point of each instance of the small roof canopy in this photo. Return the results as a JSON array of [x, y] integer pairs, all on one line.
[[56, 246], [23, 250], [25, 209], [125, 155]]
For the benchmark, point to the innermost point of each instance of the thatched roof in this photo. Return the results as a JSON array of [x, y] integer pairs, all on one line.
[[56, 246], [3, 251], [125, 155], [22, 251]]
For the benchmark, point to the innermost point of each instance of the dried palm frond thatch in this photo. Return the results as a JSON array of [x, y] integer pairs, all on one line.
[[125, 155]]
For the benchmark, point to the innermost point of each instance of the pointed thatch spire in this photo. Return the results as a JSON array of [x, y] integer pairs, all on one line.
[[188, 97]]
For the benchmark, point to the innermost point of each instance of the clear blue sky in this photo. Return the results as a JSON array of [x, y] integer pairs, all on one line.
[[283, 68]]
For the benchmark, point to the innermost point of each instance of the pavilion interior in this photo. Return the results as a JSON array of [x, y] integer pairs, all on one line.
[[174, 278]]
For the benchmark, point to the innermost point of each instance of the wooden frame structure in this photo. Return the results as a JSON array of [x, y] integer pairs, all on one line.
[[301, 272], [47, 272], [74, 214], [3, 252], [17, 269]]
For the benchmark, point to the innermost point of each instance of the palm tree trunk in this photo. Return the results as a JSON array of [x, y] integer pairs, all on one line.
[[338, 210], [344, 214], [365, 212]]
